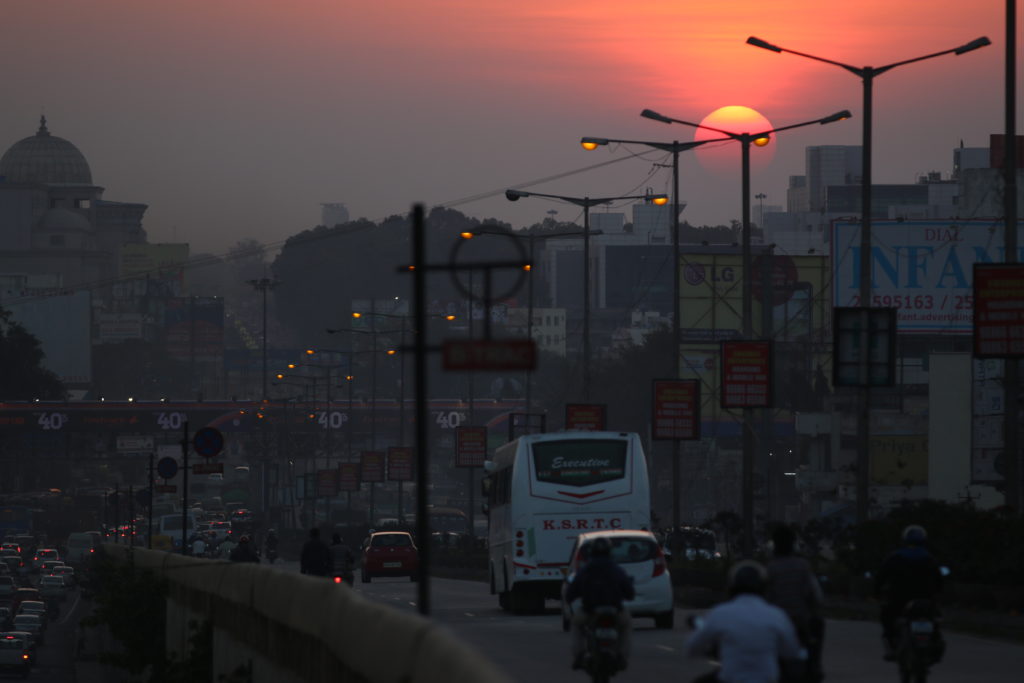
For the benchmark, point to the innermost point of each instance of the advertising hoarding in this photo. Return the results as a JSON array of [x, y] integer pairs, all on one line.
[[746, 374], [998, 310], [586, 417], [326, 483], [371, 468], [348, 476], [400, 463], [470, 446], [675, 413], [923, 268]]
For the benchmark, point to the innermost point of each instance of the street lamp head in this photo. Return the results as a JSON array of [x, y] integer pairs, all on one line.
[[392, 352], [449, 317], [515, 195], [527, 267], [660, 200], [279, 375], [357, 314], [655, 116], [310, 352], [763, 140], [757, 42], [838, 116], [292, 366], [593, 143], [467, 234], [973, 45]]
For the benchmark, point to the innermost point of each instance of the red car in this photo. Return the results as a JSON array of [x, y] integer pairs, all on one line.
[[390, 553]]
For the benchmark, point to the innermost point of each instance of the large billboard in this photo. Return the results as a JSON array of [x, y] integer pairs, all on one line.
[[923, 268], [153, 269]]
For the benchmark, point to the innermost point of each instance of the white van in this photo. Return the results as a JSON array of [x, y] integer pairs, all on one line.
[[167, 533], [81, 545]]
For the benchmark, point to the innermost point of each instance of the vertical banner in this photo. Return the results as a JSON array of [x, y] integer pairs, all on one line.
[[371, 466], [998, 310], [400, 463], [746, 374], [326, 483], [348, 476], [470, 446], [675, 410], [586, 417]]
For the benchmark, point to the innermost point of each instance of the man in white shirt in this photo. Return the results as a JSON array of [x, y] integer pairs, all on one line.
[[746, 634]]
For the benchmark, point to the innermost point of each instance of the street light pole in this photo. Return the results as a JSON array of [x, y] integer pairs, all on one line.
[[585, 203], [746, 140], [867, 76]]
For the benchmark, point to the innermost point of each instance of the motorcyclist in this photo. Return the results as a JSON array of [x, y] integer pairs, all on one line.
[[746, 634], [793, 587], [341, 556], [600, 582], [244, 552], [316, 557], [909, 573]]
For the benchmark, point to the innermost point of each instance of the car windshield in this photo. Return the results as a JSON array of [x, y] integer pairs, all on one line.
[[47, 553], [10, 643], [55, 580], [26, 619], [391, 541], [627, 549]]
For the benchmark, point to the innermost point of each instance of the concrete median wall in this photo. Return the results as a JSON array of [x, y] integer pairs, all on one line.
[[288, 627]]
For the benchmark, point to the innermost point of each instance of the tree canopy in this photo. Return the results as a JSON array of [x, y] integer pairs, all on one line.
[[21, 357]]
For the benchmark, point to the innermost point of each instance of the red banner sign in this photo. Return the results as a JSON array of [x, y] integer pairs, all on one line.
[[586, 417], [208, 468], [470, 446], [326, 483], [998, 310], [166, 488], [400, 463], [746, 374], [371, 466], [348, 476], [676, 409]]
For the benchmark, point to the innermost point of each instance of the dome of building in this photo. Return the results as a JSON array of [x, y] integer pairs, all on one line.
[[45, 158], [63, 219]]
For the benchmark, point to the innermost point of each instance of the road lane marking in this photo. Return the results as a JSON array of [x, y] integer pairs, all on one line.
[[666, 648], [71, 610], [469, 614]]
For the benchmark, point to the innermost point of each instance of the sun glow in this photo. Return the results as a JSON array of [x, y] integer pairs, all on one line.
[[724, 157]]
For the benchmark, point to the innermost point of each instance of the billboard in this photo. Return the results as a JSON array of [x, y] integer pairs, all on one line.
[[348, 477], [371, 466], [400, 463], [470, 446], [160, 267], [746, 374], [586, 417], [923, 268], [675, 413], [998, 310], [194, 328]]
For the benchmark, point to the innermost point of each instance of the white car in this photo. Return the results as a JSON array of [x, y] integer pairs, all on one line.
[[53, 588], [639, 554]]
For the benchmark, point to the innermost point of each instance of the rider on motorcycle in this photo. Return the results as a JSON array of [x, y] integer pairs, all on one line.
[[600, 583], [270, 543], [909, 573], [342, 558], [746, 634]]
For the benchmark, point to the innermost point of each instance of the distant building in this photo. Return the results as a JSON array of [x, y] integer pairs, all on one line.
[[333, 213]]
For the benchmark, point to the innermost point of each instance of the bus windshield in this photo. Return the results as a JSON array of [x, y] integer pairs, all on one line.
[[580, 462]]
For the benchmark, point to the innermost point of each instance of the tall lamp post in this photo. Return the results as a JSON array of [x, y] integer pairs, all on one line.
[[760, 139], [675, 148], [586, 203], [867, 76]]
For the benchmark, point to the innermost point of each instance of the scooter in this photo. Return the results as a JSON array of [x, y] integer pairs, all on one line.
[[920, 644], [601, 658]]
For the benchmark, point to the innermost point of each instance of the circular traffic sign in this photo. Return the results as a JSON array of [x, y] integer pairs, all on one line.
[[167, 467], [208, 442]]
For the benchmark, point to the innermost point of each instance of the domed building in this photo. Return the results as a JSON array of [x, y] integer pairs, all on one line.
[[56, 231]]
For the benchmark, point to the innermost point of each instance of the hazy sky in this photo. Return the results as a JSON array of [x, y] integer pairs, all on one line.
[[237, 118]]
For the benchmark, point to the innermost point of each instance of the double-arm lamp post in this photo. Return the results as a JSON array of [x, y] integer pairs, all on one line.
[[586, 202], [760, 139], [867, 76]]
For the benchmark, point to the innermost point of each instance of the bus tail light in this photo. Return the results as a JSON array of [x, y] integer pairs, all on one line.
[[659, 564]]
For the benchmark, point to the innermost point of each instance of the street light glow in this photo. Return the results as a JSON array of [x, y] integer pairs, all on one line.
[[762, 141], [591, 144], [467, 235], [357, 314], [659, 200]]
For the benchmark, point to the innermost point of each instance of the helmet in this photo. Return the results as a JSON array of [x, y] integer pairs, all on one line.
[[915, 535], [747, 577], [600, 547], [243, 539], [270, 532]]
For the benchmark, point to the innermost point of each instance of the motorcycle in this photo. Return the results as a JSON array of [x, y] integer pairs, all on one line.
[[271, 555], [920, 644], [601, 658]]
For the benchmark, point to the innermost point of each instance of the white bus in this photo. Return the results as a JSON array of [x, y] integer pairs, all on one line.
[[543, 490]]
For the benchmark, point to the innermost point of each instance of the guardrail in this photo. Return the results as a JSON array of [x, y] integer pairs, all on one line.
[[288, 627]]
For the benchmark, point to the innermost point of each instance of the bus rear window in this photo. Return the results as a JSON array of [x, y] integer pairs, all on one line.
[[579, 463]]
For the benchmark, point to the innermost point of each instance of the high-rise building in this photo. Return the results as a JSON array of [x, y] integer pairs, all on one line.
[[830, 165]]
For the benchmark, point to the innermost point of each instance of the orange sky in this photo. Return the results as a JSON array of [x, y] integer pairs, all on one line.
[[236, 118]]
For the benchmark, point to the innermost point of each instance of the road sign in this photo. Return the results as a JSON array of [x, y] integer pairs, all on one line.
[[371, 466], [208, 442], [134, 443], [848, 326], [167, 467], [746, 374], [400, 463], [470, 446], [348, 476], [489, 354], [586, 417], [166, 488], [208, 468]]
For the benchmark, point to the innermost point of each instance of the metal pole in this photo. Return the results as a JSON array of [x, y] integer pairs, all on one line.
[[748, 333], [117, 513], [422, 455], [401, 413], [1011, 382], [864, 395], [586, 298], [149, 512], [184, 489], [677, 333], [373, 400], [529, 324]]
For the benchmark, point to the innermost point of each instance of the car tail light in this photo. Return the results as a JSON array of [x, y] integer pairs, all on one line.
[[337, 579], [606, 621], [659, 564], [24, 656], [519, 553]]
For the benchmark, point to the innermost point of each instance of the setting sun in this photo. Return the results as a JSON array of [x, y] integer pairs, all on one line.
[[724, 157]]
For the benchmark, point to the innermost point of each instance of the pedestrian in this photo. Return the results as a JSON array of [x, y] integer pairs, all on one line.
[[316, 556]]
